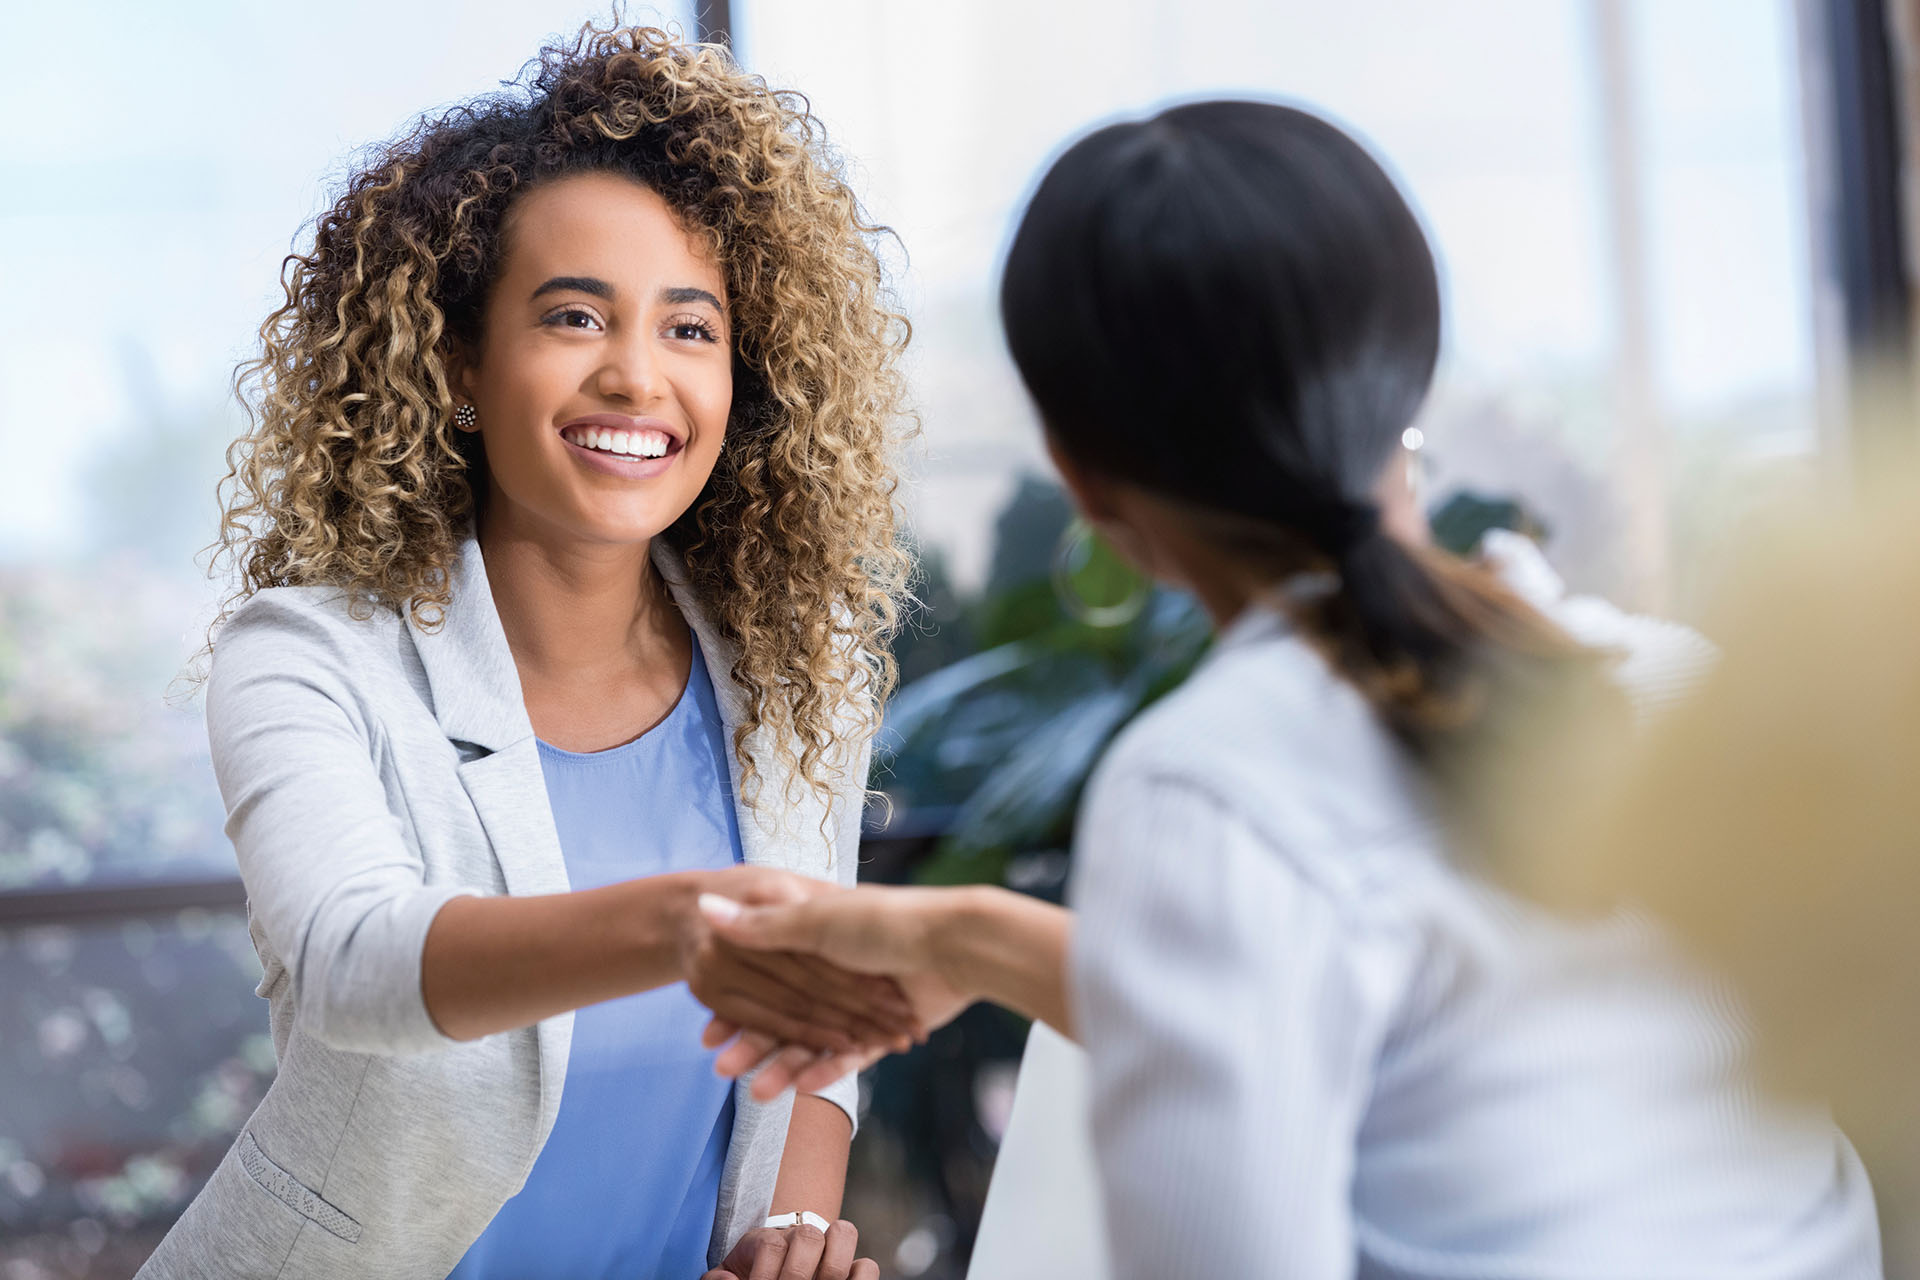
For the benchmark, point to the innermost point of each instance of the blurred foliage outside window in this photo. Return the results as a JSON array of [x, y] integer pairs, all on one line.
[[991, 749]]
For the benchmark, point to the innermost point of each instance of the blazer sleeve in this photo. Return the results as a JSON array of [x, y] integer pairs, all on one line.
[[849, 806], [1231, 1021], [330, 876]]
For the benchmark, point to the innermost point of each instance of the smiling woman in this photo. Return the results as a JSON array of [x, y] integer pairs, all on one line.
[[566, 559]]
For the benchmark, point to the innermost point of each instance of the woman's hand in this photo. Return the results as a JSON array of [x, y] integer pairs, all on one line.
[[869, 930], [797, 1253], [803, 999]]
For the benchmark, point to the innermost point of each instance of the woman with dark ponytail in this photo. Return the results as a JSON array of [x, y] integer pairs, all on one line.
[[1320, 1044]]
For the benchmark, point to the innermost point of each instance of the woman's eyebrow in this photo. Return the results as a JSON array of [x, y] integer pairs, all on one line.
[[685, 293], [577, 284]]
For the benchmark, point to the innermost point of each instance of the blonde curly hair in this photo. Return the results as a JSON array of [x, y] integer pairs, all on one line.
[[352, 474]]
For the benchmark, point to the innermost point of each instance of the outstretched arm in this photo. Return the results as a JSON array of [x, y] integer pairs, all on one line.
[[496, 963]]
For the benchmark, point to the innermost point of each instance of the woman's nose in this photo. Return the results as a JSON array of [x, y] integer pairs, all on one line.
[[630, 373]]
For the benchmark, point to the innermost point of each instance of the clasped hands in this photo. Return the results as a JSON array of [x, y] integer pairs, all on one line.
[[808, 981]]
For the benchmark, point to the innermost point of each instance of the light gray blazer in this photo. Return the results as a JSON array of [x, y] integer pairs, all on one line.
[[372, 771]]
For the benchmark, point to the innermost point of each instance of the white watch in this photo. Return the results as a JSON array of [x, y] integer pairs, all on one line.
[[796, 1219]]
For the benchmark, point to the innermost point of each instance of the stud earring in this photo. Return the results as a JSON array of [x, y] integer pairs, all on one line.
[[466, 417]]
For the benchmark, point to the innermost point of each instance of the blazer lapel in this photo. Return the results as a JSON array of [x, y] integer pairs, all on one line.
[[478, 703], [510, 794], [477, 700]]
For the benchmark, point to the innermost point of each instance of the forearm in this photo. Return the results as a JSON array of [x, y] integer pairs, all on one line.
[[813, 1167], [499, 963], [1011, 949]]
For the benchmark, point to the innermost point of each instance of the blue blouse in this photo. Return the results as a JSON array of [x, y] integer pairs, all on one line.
[[627, 1183]]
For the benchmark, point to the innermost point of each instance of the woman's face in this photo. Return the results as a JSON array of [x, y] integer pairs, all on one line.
[[605, 372]]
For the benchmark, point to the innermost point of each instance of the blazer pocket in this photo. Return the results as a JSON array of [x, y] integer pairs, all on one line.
[[293, 1193]]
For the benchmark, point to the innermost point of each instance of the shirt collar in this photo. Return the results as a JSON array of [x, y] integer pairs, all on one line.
[[1259, 620]]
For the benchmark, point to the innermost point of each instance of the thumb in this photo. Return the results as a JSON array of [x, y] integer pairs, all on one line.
[[786, 928]]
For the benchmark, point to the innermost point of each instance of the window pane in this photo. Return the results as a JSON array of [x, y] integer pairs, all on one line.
[[1494, 113]]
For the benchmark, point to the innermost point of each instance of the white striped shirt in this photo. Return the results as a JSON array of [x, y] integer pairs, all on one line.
[[1318, 1049]]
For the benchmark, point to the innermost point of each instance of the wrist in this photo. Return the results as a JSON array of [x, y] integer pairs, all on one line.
[[670, 926], [1010, 949], [961, 933]]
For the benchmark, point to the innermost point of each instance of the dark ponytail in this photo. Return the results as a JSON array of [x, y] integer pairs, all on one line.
[[1230, 305]]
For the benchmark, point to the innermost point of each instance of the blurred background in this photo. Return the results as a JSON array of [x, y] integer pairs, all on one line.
[[1676, 242]]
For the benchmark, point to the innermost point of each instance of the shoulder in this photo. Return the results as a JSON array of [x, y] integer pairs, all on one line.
[[1264, 706], [303, 616], [1265, 736], [314, 636]]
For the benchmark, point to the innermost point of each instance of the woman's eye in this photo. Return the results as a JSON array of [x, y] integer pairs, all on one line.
[[693, 331], [572, 318]]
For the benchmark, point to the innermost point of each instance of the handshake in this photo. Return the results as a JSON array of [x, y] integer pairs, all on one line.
[[808, 981]]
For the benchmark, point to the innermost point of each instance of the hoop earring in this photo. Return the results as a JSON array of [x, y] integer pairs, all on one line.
[[1073, 554], [1419, 468], [466, 417]]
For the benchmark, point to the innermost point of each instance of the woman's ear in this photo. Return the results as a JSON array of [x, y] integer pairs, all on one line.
[[1397, 492], [1108, 506], [1092, 494], [461, 365]]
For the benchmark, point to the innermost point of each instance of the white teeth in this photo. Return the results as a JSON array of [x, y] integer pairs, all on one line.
[[632, 444]]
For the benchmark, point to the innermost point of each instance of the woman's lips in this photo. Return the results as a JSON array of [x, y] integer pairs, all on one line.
[[624, 466]]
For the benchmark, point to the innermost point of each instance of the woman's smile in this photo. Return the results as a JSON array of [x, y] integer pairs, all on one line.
[[631, 448]]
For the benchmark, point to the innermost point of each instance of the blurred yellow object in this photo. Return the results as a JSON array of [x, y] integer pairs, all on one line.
[[1773, 821]]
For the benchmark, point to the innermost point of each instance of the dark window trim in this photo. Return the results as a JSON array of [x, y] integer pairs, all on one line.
[[95, 904], [1854, 122], [1869, 231], [713, 21]]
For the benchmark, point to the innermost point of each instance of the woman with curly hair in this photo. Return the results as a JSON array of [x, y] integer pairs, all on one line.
[[567, 564]]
